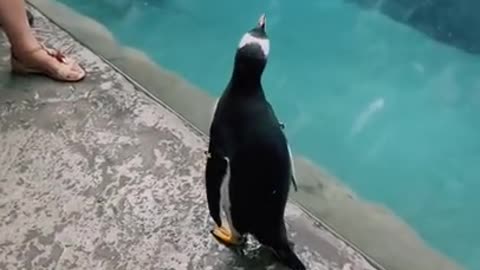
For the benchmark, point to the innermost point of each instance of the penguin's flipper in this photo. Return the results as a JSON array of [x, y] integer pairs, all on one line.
[[216, 169]]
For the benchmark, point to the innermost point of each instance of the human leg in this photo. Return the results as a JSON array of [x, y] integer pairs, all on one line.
[[28, 55]]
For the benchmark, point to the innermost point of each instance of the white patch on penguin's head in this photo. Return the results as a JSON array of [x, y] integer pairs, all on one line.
[[257, 37]]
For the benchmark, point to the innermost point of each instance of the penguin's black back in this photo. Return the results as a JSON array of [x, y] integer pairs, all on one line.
[[249, 134]]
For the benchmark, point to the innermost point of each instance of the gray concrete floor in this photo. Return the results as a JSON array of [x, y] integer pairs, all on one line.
[[96, 175]]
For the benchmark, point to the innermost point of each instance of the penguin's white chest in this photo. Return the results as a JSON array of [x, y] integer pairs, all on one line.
[[225, 195]]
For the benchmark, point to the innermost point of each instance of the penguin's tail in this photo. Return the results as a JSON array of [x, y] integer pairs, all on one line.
[[286, 255]]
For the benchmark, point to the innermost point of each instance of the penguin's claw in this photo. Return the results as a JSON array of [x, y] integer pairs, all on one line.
[[239, 250], [225, 237]]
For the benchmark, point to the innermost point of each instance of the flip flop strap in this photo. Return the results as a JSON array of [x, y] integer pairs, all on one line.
[[59, 56]]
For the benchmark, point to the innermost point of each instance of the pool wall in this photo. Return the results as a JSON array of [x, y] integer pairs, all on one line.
[[376, 231]]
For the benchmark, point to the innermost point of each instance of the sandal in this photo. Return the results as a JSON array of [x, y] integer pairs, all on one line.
[[67, 70]]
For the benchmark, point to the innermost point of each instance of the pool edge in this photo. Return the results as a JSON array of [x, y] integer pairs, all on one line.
[[134, 64]]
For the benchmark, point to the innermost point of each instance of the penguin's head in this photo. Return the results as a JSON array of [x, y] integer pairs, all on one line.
[[255, 43], [252, 52]]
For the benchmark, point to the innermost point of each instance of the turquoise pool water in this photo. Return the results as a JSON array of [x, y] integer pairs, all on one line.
[[390, 112]]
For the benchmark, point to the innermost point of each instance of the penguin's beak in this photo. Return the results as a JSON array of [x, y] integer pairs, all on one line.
[[262, 22]]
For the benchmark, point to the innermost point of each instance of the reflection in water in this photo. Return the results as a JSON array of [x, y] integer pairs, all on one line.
[[375, 106]]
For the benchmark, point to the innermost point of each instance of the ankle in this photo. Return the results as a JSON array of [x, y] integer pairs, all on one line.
[[24, 53], [24, 47]]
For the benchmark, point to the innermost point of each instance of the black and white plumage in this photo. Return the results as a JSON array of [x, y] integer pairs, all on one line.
[[249, 167]]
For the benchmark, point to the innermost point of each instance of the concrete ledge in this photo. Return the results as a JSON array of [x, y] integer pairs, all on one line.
[[382, 236], [97, 175]]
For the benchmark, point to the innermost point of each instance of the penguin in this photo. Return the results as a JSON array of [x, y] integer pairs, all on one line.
[[249, 168]]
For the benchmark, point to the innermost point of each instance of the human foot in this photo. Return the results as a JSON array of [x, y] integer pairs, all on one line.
[[45, 61]]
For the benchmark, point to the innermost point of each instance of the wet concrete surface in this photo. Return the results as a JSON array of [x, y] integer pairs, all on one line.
[[96, 175]]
